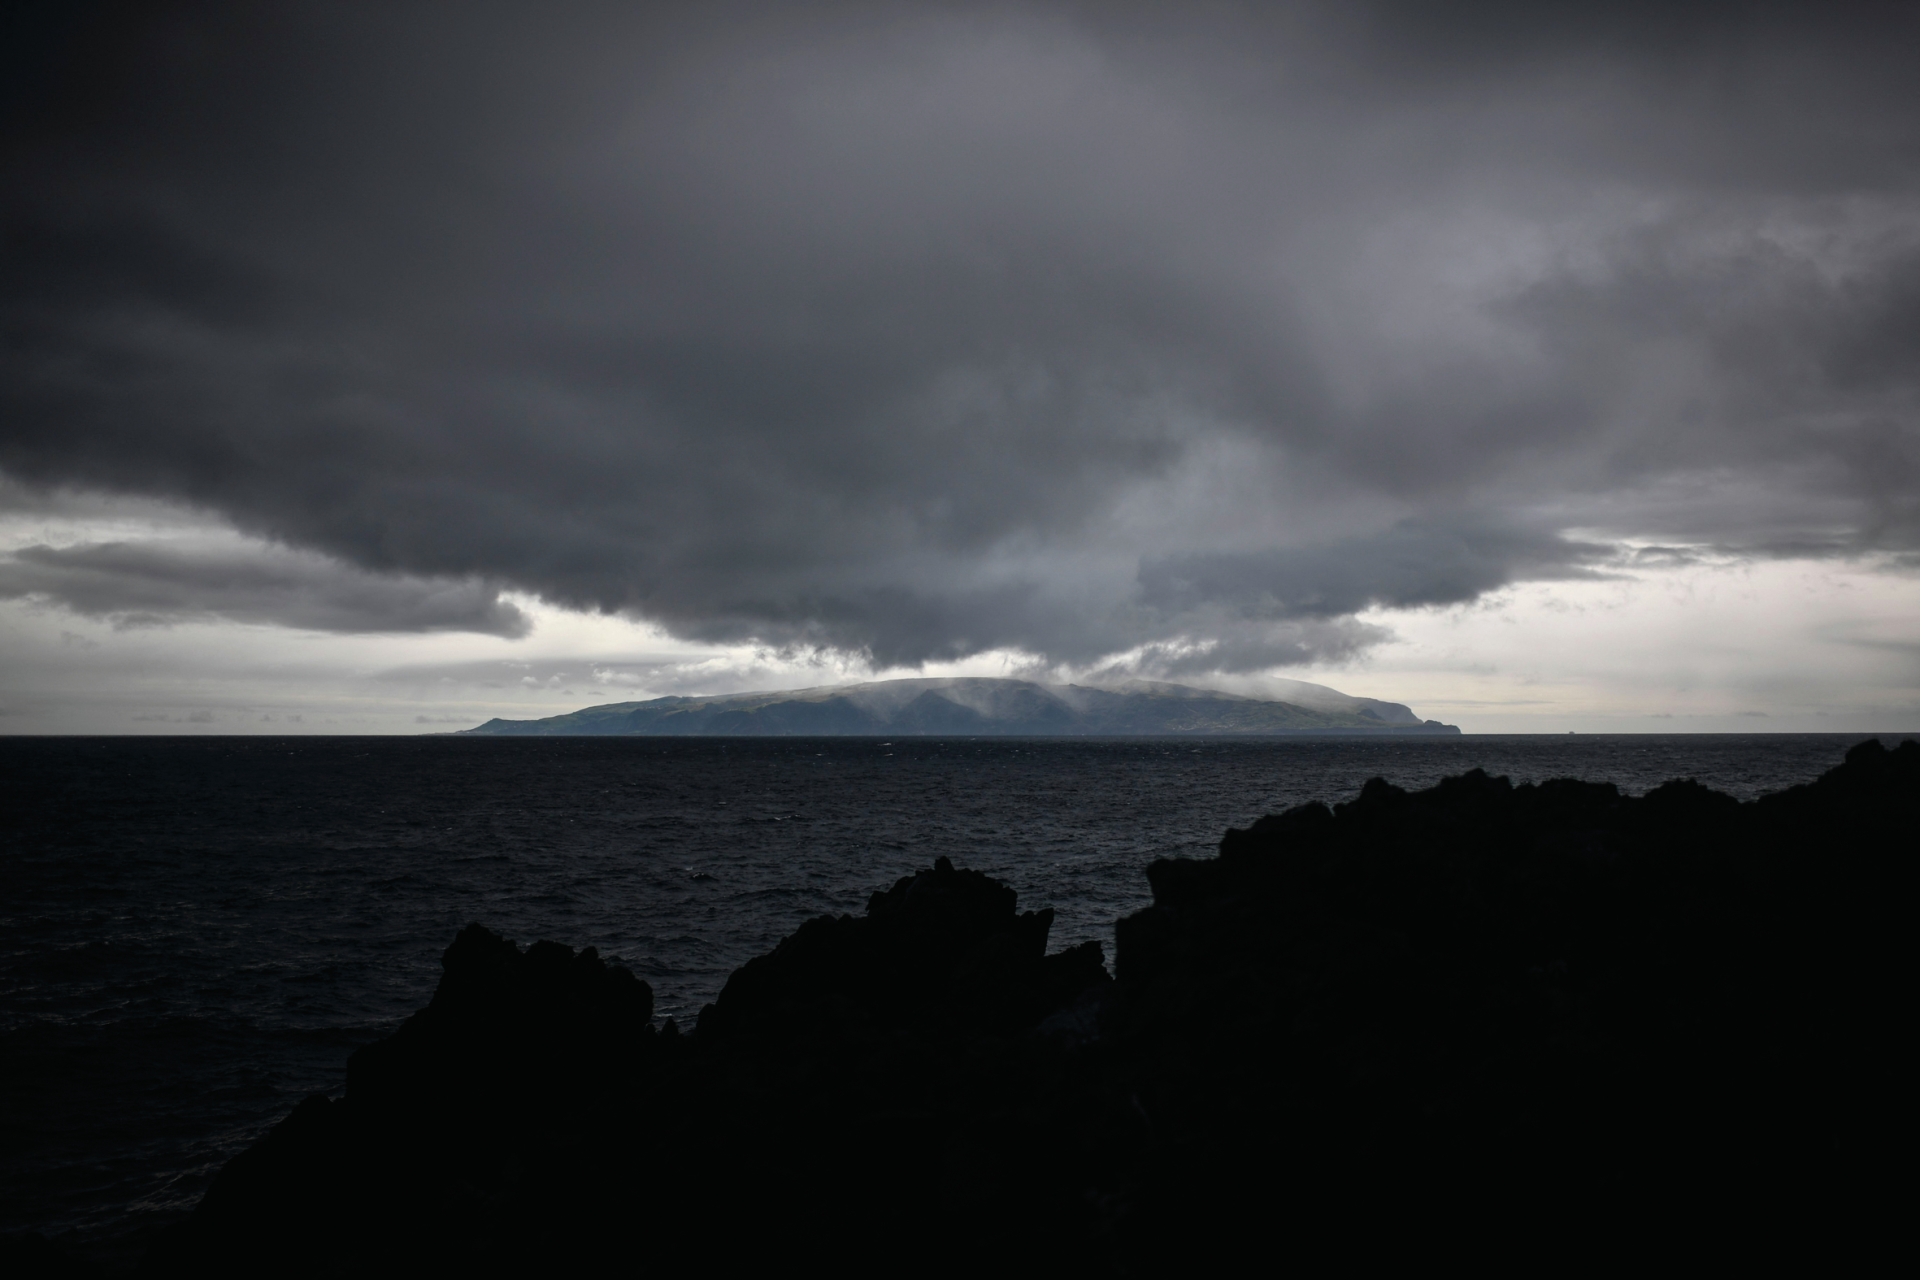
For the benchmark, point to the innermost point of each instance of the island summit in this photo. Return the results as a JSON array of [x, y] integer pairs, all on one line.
[[964, 706]]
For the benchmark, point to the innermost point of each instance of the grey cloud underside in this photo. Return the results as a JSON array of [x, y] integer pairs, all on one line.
[[917, 331], [154, 584]]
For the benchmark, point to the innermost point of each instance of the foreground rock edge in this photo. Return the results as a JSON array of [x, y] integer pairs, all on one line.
[[1554, 1000]]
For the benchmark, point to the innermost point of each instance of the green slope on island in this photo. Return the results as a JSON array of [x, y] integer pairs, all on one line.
[[969, 706]]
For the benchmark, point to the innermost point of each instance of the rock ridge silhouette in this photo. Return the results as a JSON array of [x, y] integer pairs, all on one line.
[[1470, 1017]]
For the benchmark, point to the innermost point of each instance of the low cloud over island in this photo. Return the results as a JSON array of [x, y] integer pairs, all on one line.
[[1083, 338]]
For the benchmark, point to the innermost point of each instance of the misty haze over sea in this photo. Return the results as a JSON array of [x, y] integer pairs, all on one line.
[[199, 931]]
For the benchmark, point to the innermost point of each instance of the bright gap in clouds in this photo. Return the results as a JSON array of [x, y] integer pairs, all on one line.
[[1712, 646], [1675, 641]]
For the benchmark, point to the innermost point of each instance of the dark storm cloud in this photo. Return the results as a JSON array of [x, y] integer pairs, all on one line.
[[1409, 566], [917, 330], [153, 584]]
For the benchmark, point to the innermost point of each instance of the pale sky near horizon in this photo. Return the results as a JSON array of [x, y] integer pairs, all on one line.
[[1771, 645], [1543, 367]]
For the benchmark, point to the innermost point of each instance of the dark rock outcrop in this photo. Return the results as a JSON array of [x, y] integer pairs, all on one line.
[[1478, 1015]]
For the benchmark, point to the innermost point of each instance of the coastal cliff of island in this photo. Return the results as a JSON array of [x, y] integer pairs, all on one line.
[[1478, 1016], [976, 706]]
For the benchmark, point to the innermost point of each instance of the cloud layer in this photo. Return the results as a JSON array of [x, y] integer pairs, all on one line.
[[1090, 332], [160, 582]]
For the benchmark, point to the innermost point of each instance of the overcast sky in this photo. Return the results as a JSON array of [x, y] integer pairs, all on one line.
[[1545, 366]]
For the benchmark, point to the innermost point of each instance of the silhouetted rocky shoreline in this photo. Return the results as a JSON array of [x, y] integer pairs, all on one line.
[[1464, 1017]]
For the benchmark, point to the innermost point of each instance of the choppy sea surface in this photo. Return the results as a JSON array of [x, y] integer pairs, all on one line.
[[196, 932]]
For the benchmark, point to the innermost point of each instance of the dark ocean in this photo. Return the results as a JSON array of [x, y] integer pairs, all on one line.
[[196, 932]]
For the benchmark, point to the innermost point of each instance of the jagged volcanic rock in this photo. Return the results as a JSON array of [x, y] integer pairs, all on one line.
[[1471, 1016]]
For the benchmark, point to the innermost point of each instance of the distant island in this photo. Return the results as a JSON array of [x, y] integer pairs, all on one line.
[[979, 706]]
